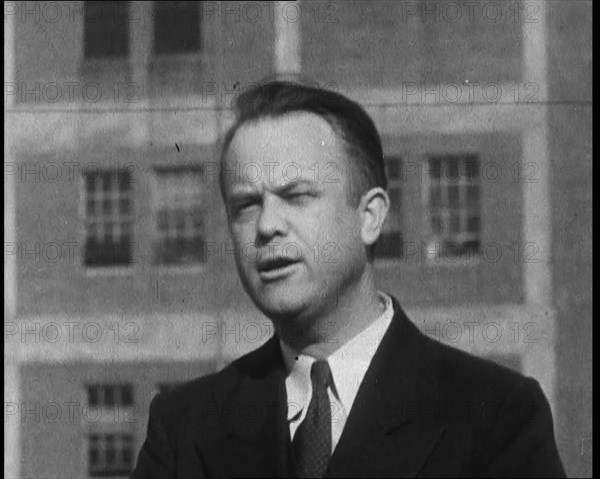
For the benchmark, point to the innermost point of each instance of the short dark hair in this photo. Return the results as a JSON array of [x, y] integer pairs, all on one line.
[[348, 119]]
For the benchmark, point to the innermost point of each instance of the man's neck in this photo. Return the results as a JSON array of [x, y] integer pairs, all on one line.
[[353, 312]]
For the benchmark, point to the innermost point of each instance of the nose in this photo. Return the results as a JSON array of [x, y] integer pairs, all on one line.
[[272, 221]]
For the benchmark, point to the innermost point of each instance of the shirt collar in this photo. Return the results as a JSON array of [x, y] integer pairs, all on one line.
[[348, 364]]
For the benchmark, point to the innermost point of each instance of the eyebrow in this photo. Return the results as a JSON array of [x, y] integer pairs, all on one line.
[[243, 193], [294, 184]]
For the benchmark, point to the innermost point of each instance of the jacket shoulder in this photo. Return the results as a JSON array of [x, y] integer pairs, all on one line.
[[185, 399], [458, 370]]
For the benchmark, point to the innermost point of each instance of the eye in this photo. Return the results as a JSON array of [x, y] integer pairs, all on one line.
[[243, 206], [246, 205], [300, 195]]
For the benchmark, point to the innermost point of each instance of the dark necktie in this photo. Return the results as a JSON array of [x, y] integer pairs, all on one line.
[[312, 441]]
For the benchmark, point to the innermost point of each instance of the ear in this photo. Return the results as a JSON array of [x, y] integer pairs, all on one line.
[[374, 206]]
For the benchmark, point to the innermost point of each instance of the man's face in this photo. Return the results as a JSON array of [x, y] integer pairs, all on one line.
[[298, 238]]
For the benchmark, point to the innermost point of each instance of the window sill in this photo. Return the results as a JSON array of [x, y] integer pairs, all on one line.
[[180, 269], [166, 58], [428, 262], [109, 271]]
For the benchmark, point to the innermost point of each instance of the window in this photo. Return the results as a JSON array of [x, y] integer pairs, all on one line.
[[106, 29], [453, 205], [178, 215], [108, 218], [110, 433], [390, 242], [110, 455], [110, 395], [176, 27]]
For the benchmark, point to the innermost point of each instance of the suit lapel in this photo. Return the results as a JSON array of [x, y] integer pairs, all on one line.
[[256, 440], [384, 434]]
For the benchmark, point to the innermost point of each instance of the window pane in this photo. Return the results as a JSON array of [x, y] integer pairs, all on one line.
[[93, 450], [471, 247], [109, 396], [393, 166], [435, 198], [451, 170], [454, 206], [106, 206], [454, 224], [127, 231], [123, 251], [473, 224], [110, 453], [126, 395], [453, 196], [90, 207], [125, 180], [197, 220], [108, 224], [163, 220], [451, 249], [389, 245], [436, 225], [472, 196], [179, 197], [395, 194], [93, 395], [124, 206], [127, 455], [435, 169], [91, 238], [471, 168], [180, 221], [107, 181], [106, 29], [176, 27], [108, 233], [90, 182]]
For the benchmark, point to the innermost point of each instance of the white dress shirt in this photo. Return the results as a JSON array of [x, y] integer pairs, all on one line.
[[348, 366]]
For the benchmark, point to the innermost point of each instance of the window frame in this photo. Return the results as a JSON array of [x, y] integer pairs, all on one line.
[[115, 269], [199, 55], [429, 237], [96, 60], [119, 419], [103, 435], [176, 268]]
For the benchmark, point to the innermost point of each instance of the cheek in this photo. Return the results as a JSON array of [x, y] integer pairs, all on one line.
[[241, 246], [241, 233], [334, 234]]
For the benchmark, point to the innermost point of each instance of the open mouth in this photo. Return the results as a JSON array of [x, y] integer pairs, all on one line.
[[275, 268]]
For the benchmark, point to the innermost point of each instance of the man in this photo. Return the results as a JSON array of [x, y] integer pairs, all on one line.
[[348, 386]]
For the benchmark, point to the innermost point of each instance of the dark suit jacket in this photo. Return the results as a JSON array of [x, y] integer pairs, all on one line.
[[423, 409]]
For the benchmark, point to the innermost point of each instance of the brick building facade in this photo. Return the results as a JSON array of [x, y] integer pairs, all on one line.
[[120, 278]]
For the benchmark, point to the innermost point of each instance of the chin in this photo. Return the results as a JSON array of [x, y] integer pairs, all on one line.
[[282, 306]]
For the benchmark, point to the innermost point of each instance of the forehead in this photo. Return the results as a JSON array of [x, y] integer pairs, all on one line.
[[295, 142], [284, 132]]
